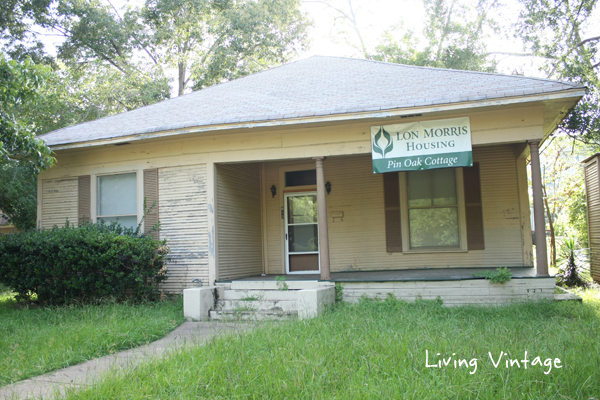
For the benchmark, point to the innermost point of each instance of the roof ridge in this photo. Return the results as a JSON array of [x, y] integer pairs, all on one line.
[[572, 84]]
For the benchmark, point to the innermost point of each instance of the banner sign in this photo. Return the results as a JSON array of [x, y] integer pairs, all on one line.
[[443, 143]]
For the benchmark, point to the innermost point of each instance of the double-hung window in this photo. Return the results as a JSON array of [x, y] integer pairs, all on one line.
[[117, 199], [433, 210]]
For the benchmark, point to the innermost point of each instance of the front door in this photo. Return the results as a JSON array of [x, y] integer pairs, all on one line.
[[301, 233]]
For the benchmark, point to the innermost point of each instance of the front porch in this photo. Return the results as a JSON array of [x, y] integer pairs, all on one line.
[[453, 286], [305, 296]]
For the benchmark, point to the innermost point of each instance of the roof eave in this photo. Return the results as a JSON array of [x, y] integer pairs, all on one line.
[[397, 112]]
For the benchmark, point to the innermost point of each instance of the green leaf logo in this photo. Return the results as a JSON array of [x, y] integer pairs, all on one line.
[[377, 146]]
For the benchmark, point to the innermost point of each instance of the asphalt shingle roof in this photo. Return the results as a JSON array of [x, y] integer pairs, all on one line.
[[316, 86]]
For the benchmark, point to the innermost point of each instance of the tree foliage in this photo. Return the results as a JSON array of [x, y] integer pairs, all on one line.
[[555, 31], [454, 33], [205, 41], [19, 86]]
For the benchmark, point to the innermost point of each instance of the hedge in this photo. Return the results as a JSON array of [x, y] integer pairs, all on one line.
[[82, 263]]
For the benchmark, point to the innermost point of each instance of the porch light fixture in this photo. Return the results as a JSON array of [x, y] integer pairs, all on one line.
[[273, 190], [328, 187]]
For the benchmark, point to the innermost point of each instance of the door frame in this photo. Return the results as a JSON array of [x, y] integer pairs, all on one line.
[[286, 235]]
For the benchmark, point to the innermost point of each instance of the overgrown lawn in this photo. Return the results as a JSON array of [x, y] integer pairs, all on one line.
[[37, 340], [378, 350]]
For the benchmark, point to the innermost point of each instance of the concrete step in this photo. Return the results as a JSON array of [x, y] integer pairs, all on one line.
[[274, 285], [257, 305], [567, 297], [252, 316], [253, 295]]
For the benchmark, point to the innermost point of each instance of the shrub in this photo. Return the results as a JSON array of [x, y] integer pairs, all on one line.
[[569, 273], [83, 263]]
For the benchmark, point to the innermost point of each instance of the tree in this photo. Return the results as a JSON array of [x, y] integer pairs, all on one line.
[[454, 35], [555, 31], [19, 86], [209, 42], [347, 13], [206, 41], [22, 155]]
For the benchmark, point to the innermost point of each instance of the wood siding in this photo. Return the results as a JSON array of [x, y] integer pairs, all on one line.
[[239, 231], [151, 200], [358, 241], [60, 202], [592, 189], [183, 217]]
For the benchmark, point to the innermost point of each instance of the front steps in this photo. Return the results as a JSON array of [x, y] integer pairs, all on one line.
[[259, 300]]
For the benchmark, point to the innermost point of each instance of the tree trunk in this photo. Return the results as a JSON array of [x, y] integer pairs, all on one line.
[[551, 226], [181, 67]]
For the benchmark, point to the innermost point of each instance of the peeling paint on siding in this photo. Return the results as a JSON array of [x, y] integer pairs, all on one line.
[[184, 223], [60, 202]]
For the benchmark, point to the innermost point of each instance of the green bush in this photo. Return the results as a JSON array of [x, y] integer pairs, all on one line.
[[83, 263]]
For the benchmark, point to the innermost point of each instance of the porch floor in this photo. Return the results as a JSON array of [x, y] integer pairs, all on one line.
[[438, 274]]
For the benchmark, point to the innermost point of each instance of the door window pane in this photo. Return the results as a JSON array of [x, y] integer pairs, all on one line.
[[302, 209], [303, 238], [433, 227], [117, 194]]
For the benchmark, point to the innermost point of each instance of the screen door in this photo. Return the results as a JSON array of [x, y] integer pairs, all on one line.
[[302, 233]]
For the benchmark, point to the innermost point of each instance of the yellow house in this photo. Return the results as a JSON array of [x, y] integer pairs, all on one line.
[[273, 174]]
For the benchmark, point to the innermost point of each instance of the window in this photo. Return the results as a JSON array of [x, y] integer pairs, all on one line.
[[117, 199], [301, 178], [432, 204]]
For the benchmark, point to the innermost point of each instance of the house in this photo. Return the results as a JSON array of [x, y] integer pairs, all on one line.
[[299, 171], [591, 168]]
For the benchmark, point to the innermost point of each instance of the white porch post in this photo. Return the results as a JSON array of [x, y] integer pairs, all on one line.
[[538, 210], [322, 216], [211, 197]]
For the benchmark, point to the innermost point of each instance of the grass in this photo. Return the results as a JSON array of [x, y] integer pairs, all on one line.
[[37, 340], [377, 350]]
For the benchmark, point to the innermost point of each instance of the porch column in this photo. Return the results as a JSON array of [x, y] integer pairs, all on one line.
[[538, 210], [322, 216]]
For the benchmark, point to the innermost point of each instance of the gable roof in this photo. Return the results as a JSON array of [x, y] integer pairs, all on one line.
[[313, 87]]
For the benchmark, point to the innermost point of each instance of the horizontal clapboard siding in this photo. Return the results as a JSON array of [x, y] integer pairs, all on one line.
[[60, 202], [239, 221], [593, 209], [273, 219], [183, 218], [358, 242]]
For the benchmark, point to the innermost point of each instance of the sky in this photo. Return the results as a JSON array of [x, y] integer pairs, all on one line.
[[375, 17]]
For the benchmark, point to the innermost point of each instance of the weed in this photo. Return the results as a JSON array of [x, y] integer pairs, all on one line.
[[501, 275], [281, 284], [339, 292]]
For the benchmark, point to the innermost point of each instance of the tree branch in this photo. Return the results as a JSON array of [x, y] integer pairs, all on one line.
[[592, 39]]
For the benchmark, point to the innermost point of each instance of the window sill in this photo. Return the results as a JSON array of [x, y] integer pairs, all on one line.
[[428, 251]]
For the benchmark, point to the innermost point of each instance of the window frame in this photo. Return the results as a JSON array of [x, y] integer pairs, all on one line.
[[462, 221], [108, 172]]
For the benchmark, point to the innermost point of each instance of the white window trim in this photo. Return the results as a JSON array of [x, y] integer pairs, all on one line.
[[139, 174], [462, 221]]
